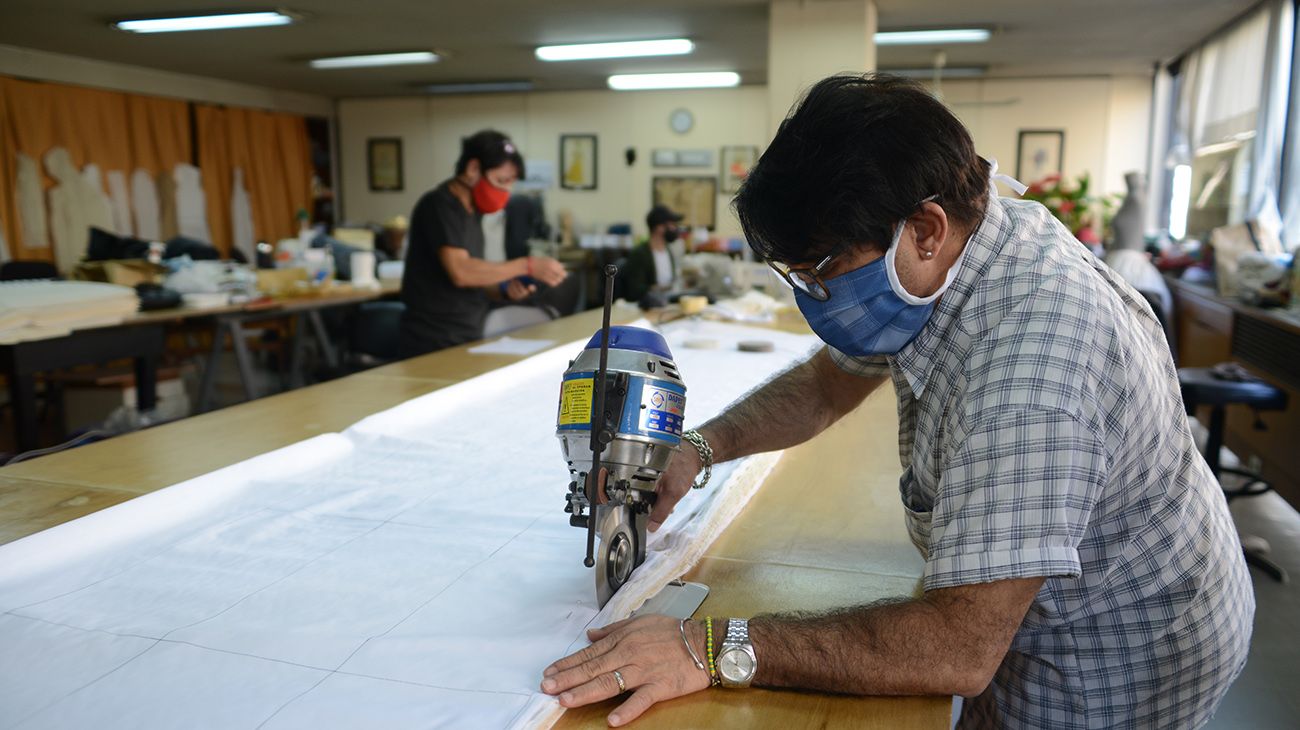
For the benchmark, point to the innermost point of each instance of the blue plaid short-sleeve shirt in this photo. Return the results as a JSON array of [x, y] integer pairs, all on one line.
[[1042, 433]]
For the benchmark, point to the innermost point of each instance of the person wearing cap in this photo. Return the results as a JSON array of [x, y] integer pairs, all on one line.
[[651, 265], [447, 284]]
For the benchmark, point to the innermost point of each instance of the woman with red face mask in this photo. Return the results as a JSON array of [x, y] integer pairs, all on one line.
[[446, 283]]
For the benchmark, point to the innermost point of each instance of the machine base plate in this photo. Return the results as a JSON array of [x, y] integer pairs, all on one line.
[[677, 599]]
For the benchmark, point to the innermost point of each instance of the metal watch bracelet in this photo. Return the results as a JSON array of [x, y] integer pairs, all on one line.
[[706, 455]]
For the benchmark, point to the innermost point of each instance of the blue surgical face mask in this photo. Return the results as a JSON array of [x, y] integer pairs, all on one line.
[[869, 312]]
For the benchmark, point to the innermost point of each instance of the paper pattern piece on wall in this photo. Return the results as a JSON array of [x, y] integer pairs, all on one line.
[[119, 201], [144, 206], [241, 217], [98, 205], [76, 204], [31, 204], [191, 211], [415, 568]]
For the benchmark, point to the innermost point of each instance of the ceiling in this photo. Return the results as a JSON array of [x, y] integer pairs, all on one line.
[[494, 39]]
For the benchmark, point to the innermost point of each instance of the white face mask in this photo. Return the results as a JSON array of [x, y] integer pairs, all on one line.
[[891, 268]]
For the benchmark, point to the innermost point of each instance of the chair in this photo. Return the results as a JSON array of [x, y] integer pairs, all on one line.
[[1218, 388], [375, 331], [509, 318]]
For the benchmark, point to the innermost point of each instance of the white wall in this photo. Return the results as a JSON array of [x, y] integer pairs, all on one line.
[[431, 129], [45, 66], [1105, 122]]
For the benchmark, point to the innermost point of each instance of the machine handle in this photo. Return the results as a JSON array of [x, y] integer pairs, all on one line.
[[599, 436]]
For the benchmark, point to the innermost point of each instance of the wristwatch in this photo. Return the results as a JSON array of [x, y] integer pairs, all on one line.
[[736, 661]]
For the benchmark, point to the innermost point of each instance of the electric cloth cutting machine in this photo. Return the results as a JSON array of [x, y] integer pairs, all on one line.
[[622, 402]]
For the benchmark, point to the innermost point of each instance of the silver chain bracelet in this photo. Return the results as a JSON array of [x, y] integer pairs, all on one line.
[[706, 455]]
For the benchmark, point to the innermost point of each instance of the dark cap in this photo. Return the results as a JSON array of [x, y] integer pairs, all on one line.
[[661, 214]]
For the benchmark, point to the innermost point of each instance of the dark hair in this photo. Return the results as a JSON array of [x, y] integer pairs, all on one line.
[[492, 149], [858, 154]]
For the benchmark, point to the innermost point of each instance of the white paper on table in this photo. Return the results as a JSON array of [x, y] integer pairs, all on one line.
[[512, 346], [415, 570]]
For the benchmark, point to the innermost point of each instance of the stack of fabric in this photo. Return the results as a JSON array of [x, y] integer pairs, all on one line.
[[37, 310]]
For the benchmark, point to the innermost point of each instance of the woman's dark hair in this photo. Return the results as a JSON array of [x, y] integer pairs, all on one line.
[[492, 149], [858, 155]]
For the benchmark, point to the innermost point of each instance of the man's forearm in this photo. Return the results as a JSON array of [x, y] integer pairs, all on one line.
[[787, 410], [951, 641]]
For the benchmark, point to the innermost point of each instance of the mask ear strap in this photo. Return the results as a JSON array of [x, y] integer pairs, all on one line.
[[1011, 182]]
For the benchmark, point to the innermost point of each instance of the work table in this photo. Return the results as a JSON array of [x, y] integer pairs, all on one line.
[[826, 529]]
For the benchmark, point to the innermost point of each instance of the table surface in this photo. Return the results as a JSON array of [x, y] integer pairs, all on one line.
[[791, 548], [1287, 319]]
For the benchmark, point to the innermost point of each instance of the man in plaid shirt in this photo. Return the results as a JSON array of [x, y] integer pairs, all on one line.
[[1082, 570]]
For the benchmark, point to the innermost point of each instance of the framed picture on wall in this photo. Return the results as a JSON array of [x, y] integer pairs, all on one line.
[[695, 198], [578, 161], [384, 162], [1039, 153], [736, 162]]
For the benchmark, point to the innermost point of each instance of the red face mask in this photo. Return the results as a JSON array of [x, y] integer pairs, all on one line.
[[489, 198]]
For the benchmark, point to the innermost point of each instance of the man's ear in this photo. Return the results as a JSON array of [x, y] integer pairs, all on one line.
[[931, 226], [473, 169]]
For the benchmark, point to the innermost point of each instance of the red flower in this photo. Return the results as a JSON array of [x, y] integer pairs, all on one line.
[[1068, 206]]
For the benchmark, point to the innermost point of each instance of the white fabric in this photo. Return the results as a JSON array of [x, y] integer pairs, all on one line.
[[76, 204], [1136, 268], [97, 201], [144, 206], [36, 310], [119, 201], [414, 570], [32, 221], [663, 267], [191, 215], [241, 218], [494, 236]]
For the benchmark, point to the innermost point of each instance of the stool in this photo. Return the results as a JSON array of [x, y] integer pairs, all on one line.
[[1218, 388]]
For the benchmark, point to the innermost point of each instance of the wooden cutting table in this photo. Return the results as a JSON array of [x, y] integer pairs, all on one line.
[[825, 530]]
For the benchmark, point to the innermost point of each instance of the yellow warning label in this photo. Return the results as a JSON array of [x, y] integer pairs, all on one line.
[[575, 402]]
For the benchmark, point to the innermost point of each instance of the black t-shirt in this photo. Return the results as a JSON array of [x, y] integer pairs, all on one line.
[[438, 313]]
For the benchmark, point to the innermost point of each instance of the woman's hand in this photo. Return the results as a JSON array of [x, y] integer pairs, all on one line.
[[649, 654]]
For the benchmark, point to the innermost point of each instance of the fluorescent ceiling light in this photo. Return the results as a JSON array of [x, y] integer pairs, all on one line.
[[204, 22], [623, 49], [697, 80], [931, 37], [479, 87], [948, 72], [376, 59]]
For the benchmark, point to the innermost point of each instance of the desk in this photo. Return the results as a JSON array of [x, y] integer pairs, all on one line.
[[1212, 329], [21, 361], [791, 548]]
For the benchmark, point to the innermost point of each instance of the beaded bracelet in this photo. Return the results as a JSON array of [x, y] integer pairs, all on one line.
[[714, 680]]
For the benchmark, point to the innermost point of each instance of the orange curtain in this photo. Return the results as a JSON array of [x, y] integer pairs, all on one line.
[[114, 130], [272, 150], [125, 132]]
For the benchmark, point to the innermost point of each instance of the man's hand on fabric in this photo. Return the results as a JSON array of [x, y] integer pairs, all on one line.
[[647, 651]]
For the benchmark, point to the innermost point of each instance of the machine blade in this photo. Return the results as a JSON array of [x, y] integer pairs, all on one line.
[[618, 553]]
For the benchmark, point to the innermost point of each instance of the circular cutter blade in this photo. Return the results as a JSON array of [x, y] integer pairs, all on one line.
[[617, 554]]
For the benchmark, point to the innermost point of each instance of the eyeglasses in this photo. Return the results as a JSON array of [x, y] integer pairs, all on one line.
[[808, 279]]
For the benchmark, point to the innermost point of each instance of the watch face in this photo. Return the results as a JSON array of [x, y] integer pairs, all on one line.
[[736, 665]]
